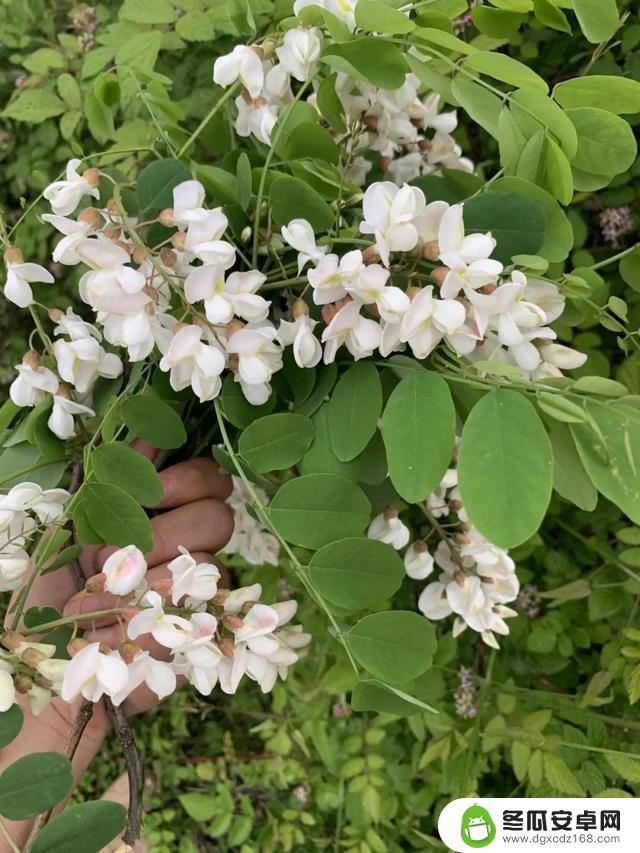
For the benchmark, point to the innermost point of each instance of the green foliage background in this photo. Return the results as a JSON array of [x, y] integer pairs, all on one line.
[[296, 770]]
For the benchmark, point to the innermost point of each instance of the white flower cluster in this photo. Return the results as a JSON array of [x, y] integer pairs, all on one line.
[[478, 579], [250, 541], [23, 510], [213, 636]]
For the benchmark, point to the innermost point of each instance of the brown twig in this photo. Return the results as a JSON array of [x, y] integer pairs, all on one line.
[[135, 771]]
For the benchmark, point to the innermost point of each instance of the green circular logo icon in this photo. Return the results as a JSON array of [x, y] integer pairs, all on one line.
[[477, 828]]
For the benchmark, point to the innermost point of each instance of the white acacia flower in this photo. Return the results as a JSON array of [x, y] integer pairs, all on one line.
[[72, 325], [371, 287], [392, 215], [203, 239], [166, 628], [260, 621], [188, 200], [32, 384], [259, 357], [48, 504], [467, 257], [199, 658], [64, 196], [250, 540], [80, 362], [360, 335], [74, 231], [433, 601], [388, 528], [7, 688], [225, 297], [242, 64], [14, 562], [299, 52], [561, 357], [61, 421], [190, 361], [110, 286], [418, 562], [156, 674], [257, 118], [299, 235], [343, 9], [92, 674], [428, 320], [307, 351], [17, 288], [124, 570], [197, 582], [333, 276]]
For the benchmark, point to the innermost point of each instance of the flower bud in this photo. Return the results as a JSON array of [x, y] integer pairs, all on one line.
[[92, 176], [459, 578], [95, 583], [166, 217], [43, 682], [123, 245], [23, 683], [227, 648], [151, 292], [11, 640], [55, 315], [245, 234], [104, 649], [232, 623], [76, 645], [431, 250], [163, 586], [31, 359], [178, 240], [329, 312], [64, 390], [168, 257], [390, 513], [234, 362], [32, 657], [112, 231], [371, 122], [385, 162], [371, 255], [488, 289], [268, 46], [139, 255], [420, 547], [128, 651], [90, 216], [220, 597], [440, 274], [300, 309], [233, 327], [112, 207], [425, 144], [13, 255]]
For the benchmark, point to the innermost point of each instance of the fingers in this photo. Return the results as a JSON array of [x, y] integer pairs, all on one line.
[[193, 480], [144, 449]]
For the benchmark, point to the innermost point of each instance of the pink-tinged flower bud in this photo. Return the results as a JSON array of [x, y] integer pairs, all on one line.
[[163, 587], [329, 312], [440, 274], [124, 570], [112, 207], [92, 176], [166, 217], [112, 231], [13, 255], [129, 650], [420, 547], [55, 315], [220, 597], [390, 512], [179, 240], [76, 645], [104, 648], [227, 648], [43, 682], [139, 255], [233, 623], [371, 122], [370, 255], [425, 144], [459, 578], [90, 216], [233, 327], [23, 683], [64, 390], [31, 359], [300, 309], [122, 245], [168, 257], [11, 640], [32, 657], [95, 583], [488, 289], [431, 250]]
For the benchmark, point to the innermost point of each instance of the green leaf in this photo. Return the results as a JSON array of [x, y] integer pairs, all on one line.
[[34, 784], [559, 776], [276, 442], [374, 60], [396, 646], [316, 509], [549, 15], [121, 466], [10, 724], [505, 468], [69, 91], [221, 186], [291, 199], [50, 545], [40, 616], [321, 457], [558, 172], [356, 573], [530, 107], [84, 828], [615, 94], [374, 16], [237, 409], [418, 428], [610, 452], [64, 558], [497, 23], [355, 407], [200, 807], [244, 180], [606, 143], [446, 40], [560, 408], [115, 516], [504, 68], [598, 19], [154, 422], [23, 460], [514, 5], [148, 11], [141, 51], [481, 105], [517, 223], [569, 476], [309, 140], [154, 187], [330, 104], [626, 766], [34, 106], [371, 695], [43, 60]]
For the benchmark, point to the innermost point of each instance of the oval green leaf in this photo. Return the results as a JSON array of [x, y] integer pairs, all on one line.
[[418, 428], [115, 516], [154, 421], [84, 828], [154, 187], [316, 509], [34, 784], [10, 724], [292, 198], [505, 468], [276, 442], [356, 573], [121, 466], [395, 646], [355, 407]]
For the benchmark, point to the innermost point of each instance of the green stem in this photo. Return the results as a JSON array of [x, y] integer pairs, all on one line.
[[205, 121], [614, 258], [9, 838], [71, 620]]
